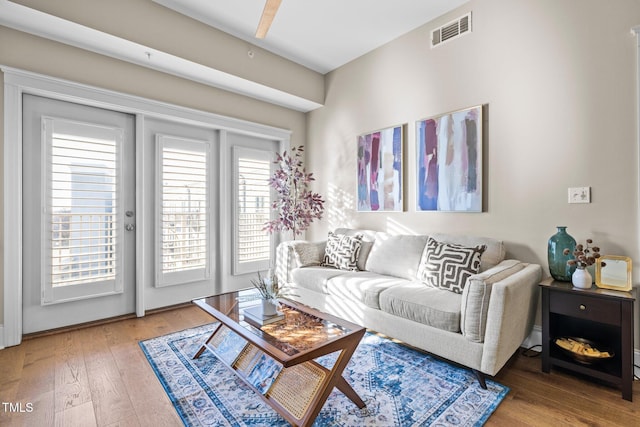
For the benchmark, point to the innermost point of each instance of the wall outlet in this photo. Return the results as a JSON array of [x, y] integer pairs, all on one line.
[[579, 194]]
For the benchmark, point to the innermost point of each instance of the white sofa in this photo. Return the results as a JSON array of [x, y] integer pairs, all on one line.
[[479, 328]]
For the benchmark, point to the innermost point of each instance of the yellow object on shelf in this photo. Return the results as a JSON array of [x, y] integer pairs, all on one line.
[[581, 349]]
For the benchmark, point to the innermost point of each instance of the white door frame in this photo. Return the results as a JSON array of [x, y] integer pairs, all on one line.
[[17, 82]]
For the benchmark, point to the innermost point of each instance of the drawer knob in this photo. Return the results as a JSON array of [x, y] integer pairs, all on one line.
[[583, 307]]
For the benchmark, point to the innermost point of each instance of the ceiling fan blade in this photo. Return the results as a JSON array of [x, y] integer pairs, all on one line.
[[269, 12]]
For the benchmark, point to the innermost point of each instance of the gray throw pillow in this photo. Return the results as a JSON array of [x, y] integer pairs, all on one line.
[[448, 266], [342, 251]]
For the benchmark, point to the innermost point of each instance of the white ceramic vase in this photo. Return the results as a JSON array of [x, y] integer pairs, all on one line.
[[581, 278], [268, 307]]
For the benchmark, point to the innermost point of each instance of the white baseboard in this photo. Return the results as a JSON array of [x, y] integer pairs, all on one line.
[[1, 337], [535, 338]]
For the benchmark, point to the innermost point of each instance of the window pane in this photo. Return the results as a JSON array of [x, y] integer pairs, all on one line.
[[82, 209], [184, 209], [253, 209]]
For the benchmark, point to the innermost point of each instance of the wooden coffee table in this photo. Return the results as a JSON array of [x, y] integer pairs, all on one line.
[[277, 360]]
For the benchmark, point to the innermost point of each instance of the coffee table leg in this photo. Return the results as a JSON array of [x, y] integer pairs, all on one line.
[[204, 345], [335, 379], [348, 391]]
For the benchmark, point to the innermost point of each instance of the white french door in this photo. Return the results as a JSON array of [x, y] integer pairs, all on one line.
[[79, 213]]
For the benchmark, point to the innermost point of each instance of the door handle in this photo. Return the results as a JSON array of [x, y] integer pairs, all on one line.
[[129, 227]]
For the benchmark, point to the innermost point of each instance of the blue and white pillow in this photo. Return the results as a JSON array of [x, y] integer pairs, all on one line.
[[342, 251]]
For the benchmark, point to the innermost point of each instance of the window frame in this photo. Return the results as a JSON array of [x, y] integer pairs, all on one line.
[[162, 278], [60, 294]]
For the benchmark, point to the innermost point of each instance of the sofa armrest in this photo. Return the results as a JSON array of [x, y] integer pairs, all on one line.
[[476, 295], [297, 253], [512, 311]]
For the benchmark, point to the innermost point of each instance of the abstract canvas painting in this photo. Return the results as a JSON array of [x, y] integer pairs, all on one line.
[[380, 171], [449, 162]]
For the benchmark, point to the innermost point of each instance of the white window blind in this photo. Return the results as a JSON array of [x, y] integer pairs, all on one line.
[[252, 245], [81, 223], [183, 210]]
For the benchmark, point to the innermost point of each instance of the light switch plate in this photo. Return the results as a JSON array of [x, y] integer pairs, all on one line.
[[579, 194]]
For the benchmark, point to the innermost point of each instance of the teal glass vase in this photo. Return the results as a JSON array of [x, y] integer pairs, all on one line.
[[558, 266]]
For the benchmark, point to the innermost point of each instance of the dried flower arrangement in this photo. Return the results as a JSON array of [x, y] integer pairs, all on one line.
[[583, 255], [269, 287]]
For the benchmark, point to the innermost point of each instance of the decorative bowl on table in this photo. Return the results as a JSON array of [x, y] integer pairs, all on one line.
[[583, 350]]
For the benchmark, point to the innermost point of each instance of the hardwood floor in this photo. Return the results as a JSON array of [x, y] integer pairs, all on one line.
[[560, 399], [98, 376]]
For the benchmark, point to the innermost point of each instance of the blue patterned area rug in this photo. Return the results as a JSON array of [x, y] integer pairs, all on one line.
[[401, 387]]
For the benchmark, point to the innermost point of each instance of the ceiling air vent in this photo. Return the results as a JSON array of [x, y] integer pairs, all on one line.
[[451, 30]]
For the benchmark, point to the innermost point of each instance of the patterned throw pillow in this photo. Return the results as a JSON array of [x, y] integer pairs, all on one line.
[[342, 251], [448, 266]]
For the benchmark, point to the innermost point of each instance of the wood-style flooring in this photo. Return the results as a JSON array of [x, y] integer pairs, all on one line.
[[98, 376]]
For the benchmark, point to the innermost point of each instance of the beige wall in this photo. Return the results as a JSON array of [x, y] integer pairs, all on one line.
[[559, 80], [147, 23]]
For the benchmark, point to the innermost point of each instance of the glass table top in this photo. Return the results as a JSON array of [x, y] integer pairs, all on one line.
[[301, 329]]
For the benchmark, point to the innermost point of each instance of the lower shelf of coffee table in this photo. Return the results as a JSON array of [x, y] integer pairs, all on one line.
[[297, 386], [290, 390]]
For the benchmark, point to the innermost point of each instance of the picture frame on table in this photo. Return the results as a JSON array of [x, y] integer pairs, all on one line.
[[614, 272]]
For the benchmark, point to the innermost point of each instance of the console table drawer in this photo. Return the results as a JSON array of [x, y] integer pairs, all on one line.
[[585, 307]]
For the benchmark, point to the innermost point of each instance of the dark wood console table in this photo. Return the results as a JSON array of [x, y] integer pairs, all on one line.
[[599, 315]]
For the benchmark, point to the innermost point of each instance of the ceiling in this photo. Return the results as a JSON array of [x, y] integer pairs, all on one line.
[[319, 34], [309, 32]]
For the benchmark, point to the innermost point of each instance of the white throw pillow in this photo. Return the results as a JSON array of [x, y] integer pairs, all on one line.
[[342, 251], [448, 266], [308, 254]]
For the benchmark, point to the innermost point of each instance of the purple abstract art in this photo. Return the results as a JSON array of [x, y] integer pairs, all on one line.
[[449, 162], [380, 171]]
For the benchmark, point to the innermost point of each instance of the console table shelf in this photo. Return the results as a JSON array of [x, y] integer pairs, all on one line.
[[599, 315]]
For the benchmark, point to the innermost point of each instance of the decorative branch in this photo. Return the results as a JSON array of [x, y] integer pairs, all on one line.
[[297, 207]]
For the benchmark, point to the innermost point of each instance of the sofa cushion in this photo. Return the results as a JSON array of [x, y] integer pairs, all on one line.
[[341, 251], [368, 237], [362, 286], [314, 278], [397, 256], [423, 304], [448, 266], [475, 298], [492, 256]]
